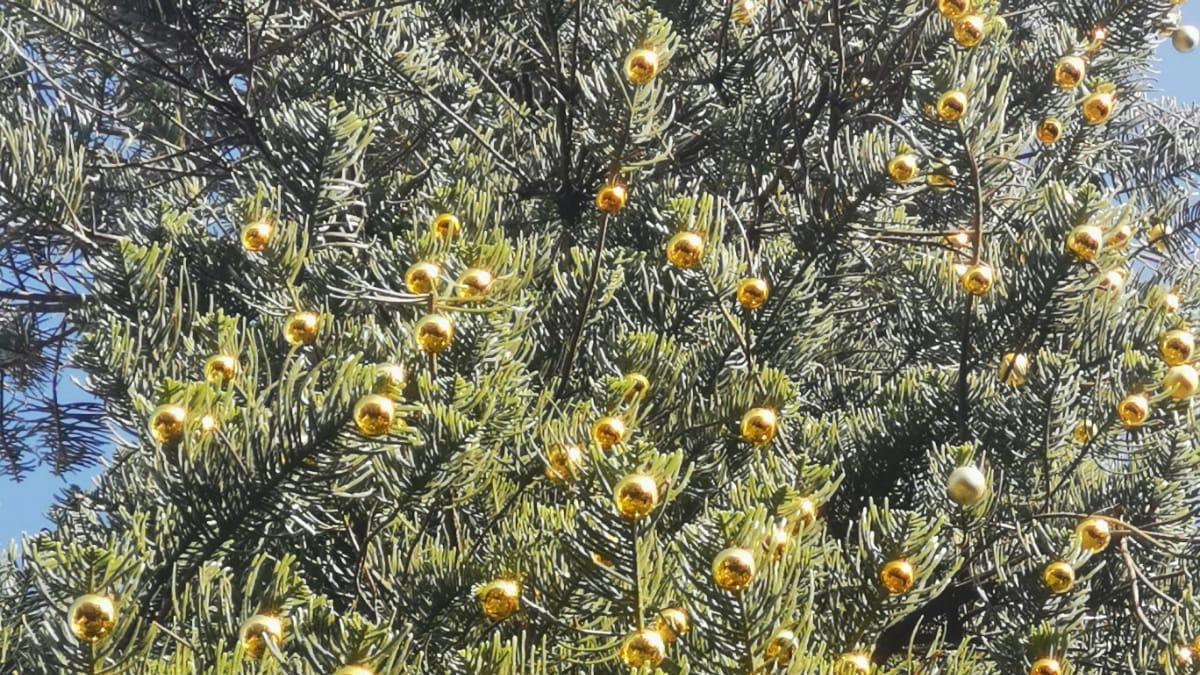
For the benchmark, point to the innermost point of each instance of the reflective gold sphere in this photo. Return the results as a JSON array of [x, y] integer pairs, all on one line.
[[641, 66], [804, 515], [635, 496], [1157, 236], [1176, 346], [1133, 410], [897, 576], [434, 333], [671, 623], [390, 380], [902, 168], [752, 293], [564, 463], [1085, 241], [258, 630], [759, 425], [421, 278], [775, 544], [685, 250], [953, 9], [1084, 432], [1059, 577], [608, 431], [733, 569], [968, 31], [1094, 534], [952, 106], [1049, 130], [301, 328], [966, 485], [1181, 381], [374, 415], [611, 199], [1013, 369], [256, 235], [781, 648], [854, 663], [499, 599], [1045, 667], [977, 279], [1097, 107], [445, 225], [1119, 237], [643, 648], [220, 368], [1069, 72], [92, 617], [474, 283], [166, 423], [635, 385]]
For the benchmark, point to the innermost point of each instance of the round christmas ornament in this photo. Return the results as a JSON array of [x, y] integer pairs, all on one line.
[[166, 423], [1111, 281], [258, 630], [775, 544], [1179, 655], [434, 333], [374, 415], [92, 617], [608, 431], [1049, 131], [641, 66], [353, 669], [853, 663], [752, 293], [1185, 38], [220, 368], [1097, 107], [643, 648], [421, 277], [897, 576], [1045, 667], [1084, 242], [1157, 236], [902, 168], [1096, 37], [733, 569], [759, 425], [1094, 534], [256, 235], [1059, 577], [781, 648], [1069, 72], [1176, 346], [966, 485], [445, 225], [1013, 369], [499, 599], [611, 198], [390, 380], [564, 463], [953, 9], [474, 284], [671, 623], [207, 424], [952, 106], [939, 181], [636, 385], [1133, 410], [744, 11], [805, 515], [959, 241], [968, 31], [1181, 381], [301, 328], [685, 250], [1171, 302], [977, 279], [1119, 237], [635, 496], [1084, 431]]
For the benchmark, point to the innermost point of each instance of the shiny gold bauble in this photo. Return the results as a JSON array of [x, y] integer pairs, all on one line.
[[434, 333], [1013, 369], [977, 279], [744, 11], [854, 663], [775, 543], [805, 515], [902, 168], [353, 669], [752, 293], [1171, 302], [1112, 281], [390, 380], [940, 182], [166, 423], [685, 250], [952, 106], [1059, 577], [374, 415], [1096, 37], [897, 576], [1181, 381], [611, 199], [1119, 237], [959, 241], [953, 9], [966, 485], [641, 66], [1194, 647], [1084, 432], [1049, 131], [207, 424], [256, 235], [968, 31], [499, 599], [474, 283], [1085, 242], [733, 569], [671, 623], [1069, 72], [608, 431], [643, 648], [1157, 237], [220, 368], [636, 385], [635, 496], [445, 225], [1176, 346], [258, 630], [1179, 655], [1046, 667], [1097, 107], [564, 463], [422, 277], [301, 328], [759, 425], [1133, 411], [92, 617], [781, 648], [1094, 534]]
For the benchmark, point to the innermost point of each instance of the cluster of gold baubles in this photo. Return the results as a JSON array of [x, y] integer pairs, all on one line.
[[1176, 347]]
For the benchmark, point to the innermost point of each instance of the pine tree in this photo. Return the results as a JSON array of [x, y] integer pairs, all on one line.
[[564, 337]]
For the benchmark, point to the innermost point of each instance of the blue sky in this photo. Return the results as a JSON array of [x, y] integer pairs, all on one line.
[[23, 505]]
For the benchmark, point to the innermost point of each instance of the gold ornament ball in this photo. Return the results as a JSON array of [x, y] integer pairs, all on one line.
[[968, 31], [1049, 131], [744, 11], [1181, 381], [977, 279], [499, 599], [1097, 107], [608, 431], [220, 368], [258, 630], [353, 669], [966, 485], [775, 543], [434, 333], [643, 648], [301, 328], [636, 385], [685, 250], [1176, 346], [959, 241], [953, 9], [1119, 237], [897, 577], [445, 225], [474, 284], [1157, 237], [166, 423], [1059, 577], [952, 106], [671, 623], [92, 617], [1096, 37], [207, 424], [1069, 72], [805, 515], [854, 663], [1084, 431], [1085, 242], [564, 463], [635, 496], [611, 199], [1133, 410], [390, 380], [1094, 534], [374, 415], [1013, 369], [1170, 302], [1112, 281], [752, 293], [421, 277], [781, 648], [902, 168], [1045, 667], [940, 182], [733, 569], [256, 236], [641, 66], [759, 425]]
